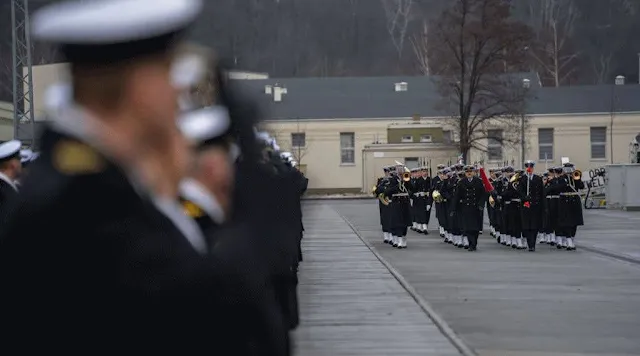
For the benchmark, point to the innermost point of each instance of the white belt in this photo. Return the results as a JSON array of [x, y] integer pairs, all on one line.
[[569, 194], [553, 196], [419, 194], [515, 199], [400, 195]]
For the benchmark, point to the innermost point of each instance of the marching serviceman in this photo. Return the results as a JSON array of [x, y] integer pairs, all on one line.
[[421, 202], [436, 185], [448, 191], [511, 199], [412, 199], [531, 191], [399, 190], [551, 207], [569, 206], [383, 204], [469, 201]]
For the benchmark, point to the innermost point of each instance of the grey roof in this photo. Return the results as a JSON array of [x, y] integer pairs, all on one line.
[[375, 97]]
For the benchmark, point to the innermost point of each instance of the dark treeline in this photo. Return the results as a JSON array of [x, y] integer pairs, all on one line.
[[285, 38]]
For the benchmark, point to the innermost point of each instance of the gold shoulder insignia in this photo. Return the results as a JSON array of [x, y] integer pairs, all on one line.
[[192, 210], [72, 157]]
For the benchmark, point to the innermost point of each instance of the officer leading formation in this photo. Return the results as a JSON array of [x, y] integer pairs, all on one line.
[[523, 208], [159, 216]]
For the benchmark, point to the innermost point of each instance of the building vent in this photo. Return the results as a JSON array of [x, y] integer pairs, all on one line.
[[268, 89], [620, 80], [402, 86], [526, 83]]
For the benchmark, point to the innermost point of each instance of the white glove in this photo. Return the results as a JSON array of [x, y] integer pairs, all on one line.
[[428, 207]]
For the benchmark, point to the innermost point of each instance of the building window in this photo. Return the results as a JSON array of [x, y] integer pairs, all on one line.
[[407, 139], [447, 137], [347, 148], [412, 162], [494, 146], [425, 138], [598, 142], [298, 139], [545, 144]]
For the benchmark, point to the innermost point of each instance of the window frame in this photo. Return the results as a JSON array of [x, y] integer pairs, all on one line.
[[344, 149], [546, 145], [602, 144], [406, 138], [304, 139], [426, 135], [497, 144]]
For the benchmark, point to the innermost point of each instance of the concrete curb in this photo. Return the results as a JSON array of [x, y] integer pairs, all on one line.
[[610, 254], [346, 197], [440, 323]]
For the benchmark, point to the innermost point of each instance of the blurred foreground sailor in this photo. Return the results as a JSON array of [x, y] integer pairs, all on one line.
[[10, 170], [113, 262], [206, 193]]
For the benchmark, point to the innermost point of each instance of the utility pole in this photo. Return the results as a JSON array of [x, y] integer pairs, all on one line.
[[526, 84], [22, 76]]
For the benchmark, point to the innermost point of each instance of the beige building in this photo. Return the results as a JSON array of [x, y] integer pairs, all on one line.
[[343, 131]]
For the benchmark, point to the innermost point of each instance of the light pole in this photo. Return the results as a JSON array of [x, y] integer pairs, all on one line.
[[526, 84]]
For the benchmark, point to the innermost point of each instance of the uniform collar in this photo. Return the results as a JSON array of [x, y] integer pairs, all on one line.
[[73, 120], [6, 178], [194, 191], [187, 226]]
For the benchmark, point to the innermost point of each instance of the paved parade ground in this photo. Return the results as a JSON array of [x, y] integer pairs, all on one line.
[[435, 299]]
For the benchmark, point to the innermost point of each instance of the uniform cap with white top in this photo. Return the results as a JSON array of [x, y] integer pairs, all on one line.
[[112, 31], [10, 150]]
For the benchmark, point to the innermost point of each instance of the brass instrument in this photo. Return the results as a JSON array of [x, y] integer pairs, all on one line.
[[492, 201], [406, 176], [514, 181], [373, 190], [437, 197], [384, 200], [577, 174], [514, 178]]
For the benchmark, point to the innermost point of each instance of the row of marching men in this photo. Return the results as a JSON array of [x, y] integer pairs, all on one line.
[[150, 221], [528, 208], [523, 207]]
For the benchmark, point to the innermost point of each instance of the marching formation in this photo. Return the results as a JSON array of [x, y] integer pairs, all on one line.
[[524, 208]]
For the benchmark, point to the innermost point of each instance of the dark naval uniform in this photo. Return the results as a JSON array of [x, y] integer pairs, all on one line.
[[398, 191], [569, 207], [469, 203], [383, 205], [421, 202], [532, 195]]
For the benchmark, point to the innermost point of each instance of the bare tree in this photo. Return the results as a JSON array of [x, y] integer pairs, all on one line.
[[420, 44], [398, 15], [553, 23], [602, 67], [472, 40]]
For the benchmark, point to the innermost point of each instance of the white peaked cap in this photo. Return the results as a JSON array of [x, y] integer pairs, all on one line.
[[57, 96], [204, 124], [26, 155], [112, 21], [286, 154], [276, 147], [187, 71], [9, 148]]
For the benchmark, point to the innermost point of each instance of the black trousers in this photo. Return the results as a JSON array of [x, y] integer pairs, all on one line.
[[473, 238], [531, 236]]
